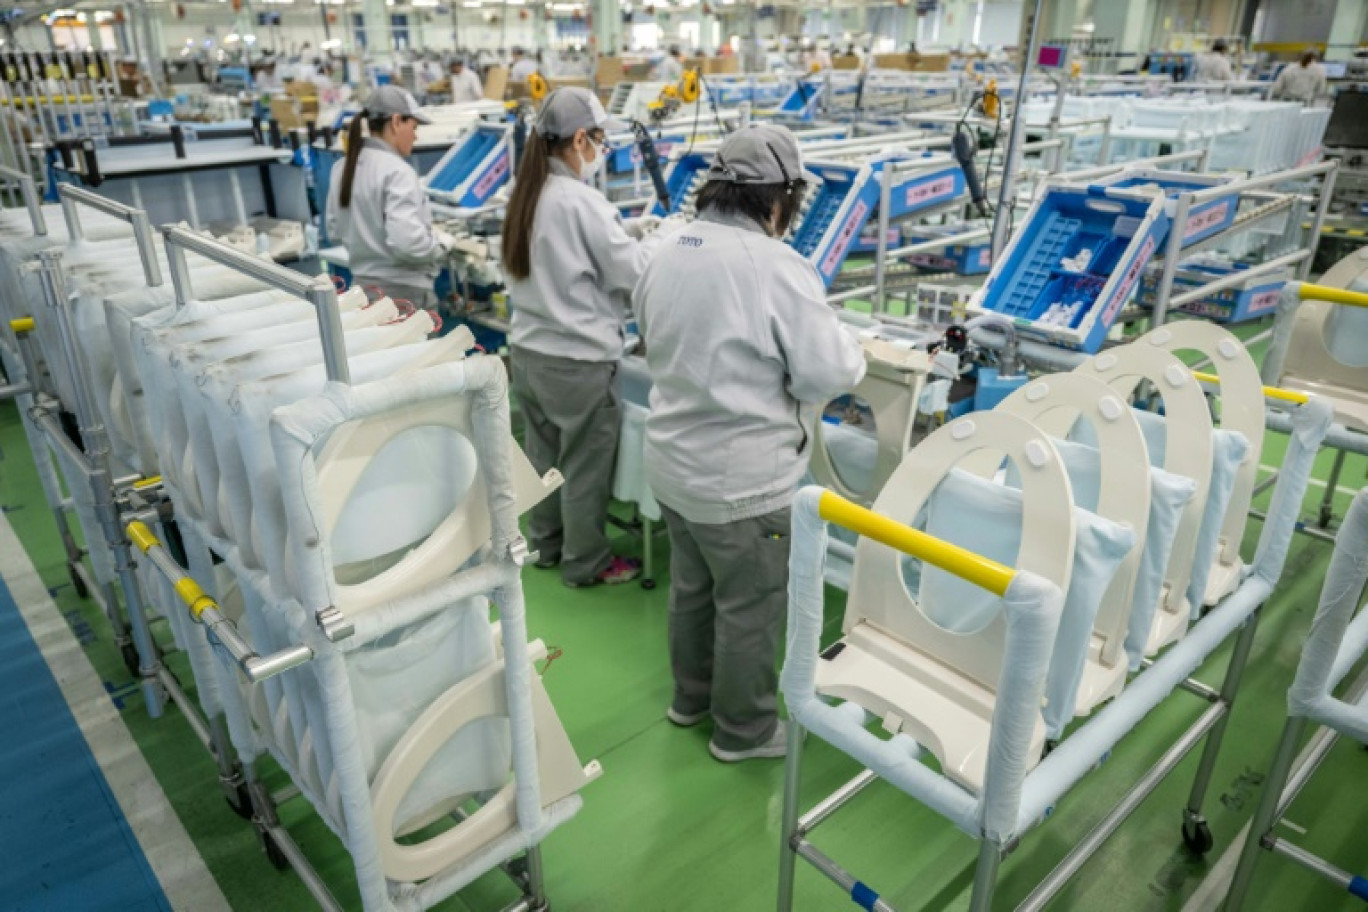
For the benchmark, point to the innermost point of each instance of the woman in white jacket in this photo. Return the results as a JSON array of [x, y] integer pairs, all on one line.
[[376, 205], [570, 264], [744, 353]]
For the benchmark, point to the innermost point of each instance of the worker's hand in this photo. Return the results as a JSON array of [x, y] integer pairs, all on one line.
[[446, 242], [640, 227]]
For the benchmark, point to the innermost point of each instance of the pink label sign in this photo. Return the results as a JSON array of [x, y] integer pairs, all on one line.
[[487, 183], [1128, 281], [921, 193], [1204, 220], [985, 257], [853, 223], [1264, 300]]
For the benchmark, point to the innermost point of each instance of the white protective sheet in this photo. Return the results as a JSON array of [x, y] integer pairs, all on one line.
[[1337, 638]]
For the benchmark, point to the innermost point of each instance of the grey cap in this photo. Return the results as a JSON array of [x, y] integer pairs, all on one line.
[[571, 108], [759, 154], [391, 99]]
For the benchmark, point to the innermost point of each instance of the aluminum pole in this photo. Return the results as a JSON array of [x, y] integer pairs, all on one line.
[[1007, 195]]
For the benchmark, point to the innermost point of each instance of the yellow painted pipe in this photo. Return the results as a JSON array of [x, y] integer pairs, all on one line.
[[141, 536], [981, 571], [22, 325], [1306, 291], [194, 597], [1270, 392]]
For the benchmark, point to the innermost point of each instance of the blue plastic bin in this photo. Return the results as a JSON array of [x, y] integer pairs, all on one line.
[[1122, 229], [1204, 220], [472, 170], [1256, 297]]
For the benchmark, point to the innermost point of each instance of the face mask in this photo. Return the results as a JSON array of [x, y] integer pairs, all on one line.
[[588, 169]]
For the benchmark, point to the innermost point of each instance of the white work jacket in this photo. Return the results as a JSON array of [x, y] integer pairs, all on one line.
[[1211, 68], [1300, 83], [466, 86], [584, 266], [744, 354], [387, 229], [522, 69]]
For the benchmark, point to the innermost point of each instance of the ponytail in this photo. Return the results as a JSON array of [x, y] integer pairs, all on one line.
[[354, 145], [522, 205]]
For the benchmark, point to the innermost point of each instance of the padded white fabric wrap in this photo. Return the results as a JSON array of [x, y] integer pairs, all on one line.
[[1031, 607], [1329, 643]]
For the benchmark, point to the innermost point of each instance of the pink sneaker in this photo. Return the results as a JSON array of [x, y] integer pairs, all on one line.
[[620, 570]]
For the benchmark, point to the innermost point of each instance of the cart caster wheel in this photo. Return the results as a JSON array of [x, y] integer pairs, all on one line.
[[273, 854], [130, 659], [1197, 836], [77, 582], [648, 584], [240, 801]]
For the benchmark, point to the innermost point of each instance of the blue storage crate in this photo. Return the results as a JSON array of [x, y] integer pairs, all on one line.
[[831, 226], [940, 182], [679, 177], [1256, 297], [1066, 306], [1203, 220], [472, 170]]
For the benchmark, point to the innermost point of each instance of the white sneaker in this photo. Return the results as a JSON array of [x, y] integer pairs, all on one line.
[[774, 748], [685, 721]]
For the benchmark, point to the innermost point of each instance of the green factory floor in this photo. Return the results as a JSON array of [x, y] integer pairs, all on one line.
[[667, 828]]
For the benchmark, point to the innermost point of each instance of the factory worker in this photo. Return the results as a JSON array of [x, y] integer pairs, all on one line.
[[523, 66], [744, 353], [465, 84], [570, 265], [376, 205], [671, 67], [1212, 67], [1303, 81]]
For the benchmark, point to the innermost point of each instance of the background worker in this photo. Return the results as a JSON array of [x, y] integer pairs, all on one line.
[[465, 84], [1303, 81], [1213, 66], [744, 353], [376, 205]]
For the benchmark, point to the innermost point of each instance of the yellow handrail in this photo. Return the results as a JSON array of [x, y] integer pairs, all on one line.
[[1344, 296], [1271, 392], [194, 597], [981, 571], [22, 325]]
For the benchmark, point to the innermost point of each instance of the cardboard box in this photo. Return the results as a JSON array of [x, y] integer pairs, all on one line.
[[581, 82], [496, 83], [845, 62], [292, 113], [920, 63], [608, 72], [301, 88]]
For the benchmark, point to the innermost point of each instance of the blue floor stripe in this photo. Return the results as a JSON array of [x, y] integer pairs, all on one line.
[[64, 841]]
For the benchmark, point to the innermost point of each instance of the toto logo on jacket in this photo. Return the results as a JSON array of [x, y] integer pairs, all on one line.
[[686, 241]]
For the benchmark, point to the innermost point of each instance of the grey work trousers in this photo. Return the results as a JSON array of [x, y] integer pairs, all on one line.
[[728, 599], [571, 422]]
